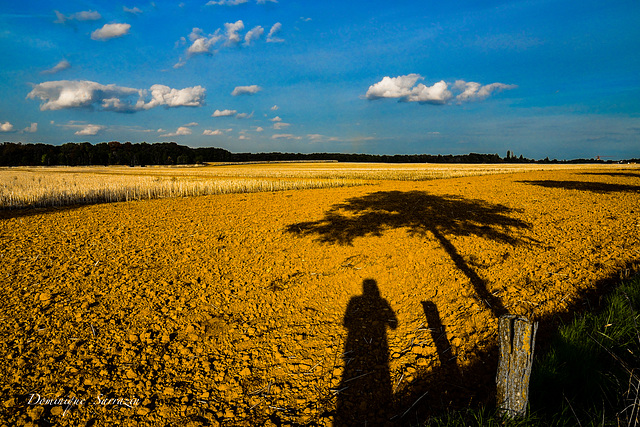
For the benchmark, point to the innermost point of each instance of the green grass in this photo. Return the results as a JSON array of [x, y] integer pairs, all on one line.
[[592, 371], [590, 376]]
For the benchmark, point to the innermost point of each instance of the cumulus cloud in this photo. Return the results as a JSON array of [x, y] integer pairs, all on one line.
[[254, 34], [232, 30], [60, 66], [224, 113], [276, 119], [236, 2], [404, 88], [259, 129], [281, 125], [226, 2], [244, 115], [63, 94], [213, 132], [246, 90], [90, 130], [134, 10], [274, 108], [285, 136], [6, 127], [33, 128], [472, 91], [275, 29], [228, 37], [187, 97], [89, 15], [182, 130], [110, 31], [201, 43]]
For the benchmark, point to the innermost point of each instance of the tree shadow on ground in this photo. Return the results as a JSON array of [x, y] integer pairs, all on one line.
[[445, 386], [449, 386], [31, 211], [596, 187], [422, 214], [615, 174]]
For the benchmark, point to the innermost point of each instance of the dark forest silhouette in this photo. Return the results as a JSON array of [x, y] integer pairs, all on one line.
[[170, 153]]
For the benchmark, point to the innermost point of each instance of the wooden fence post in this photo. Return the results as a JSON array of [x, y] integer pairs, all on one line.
[[517, 340]]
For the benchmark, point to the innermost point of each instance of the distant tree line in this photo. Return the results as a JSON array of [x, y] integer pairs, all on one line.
[[170, 153]]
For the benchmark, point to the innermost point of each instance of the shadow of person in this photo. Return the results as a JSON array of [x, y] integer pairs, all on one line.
[[365, 392]]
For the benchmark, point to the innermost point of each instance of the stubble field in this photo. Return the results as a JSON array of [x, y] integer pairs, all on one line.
[[371, 303]]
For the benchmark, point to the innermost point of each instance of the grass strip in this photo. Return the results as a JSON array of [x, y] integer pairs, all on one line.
[[590, 376]]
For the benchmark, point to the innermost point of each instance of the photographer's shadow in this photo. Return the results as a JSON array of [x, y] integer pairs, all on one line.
[[365, 392]]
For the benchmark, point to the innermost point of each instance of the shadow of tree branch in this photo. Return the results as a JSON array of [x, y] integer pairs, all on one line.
[[596, 187], [422, 214]]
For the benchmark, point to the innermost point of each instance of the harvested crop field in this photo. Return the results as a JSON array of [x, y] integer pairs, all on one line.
[[375, 303]]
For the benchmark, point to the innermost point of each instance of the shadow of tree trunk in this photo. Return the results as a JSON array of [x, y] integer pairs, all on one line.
[[426, 215]]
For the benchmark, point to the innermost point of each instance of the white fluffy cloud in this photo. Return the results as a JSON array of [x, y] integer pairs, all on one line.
[[230, 36], [405, 89], [224, 113], [201, 43], [285, 136], [110, 31], [134, 10], [216, 131], [246, 90], [89, 15], [244, 115], [90, 130], [226, 2], [60, 66], [6, 127], [236, 2], [187, 97], [33, 128], [281, 125], [254, 34], [182, 130], [275, 29], [63, 94], [232, 30], [472, 91]]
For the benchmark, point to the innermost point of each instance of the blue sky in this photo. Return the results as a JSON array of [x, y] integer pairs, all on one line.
[[539, 78]]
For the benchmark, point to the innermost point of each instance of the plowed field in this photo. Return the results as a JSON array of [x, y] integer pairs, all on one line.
[[341, 305]]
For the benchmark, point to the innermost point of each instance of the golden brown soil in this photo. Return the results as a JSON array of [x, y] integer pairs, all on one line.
[[338, 305]]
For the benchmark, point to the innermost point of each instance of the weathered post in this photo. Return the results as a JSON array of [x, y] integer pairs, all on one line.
[[517, 340]]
